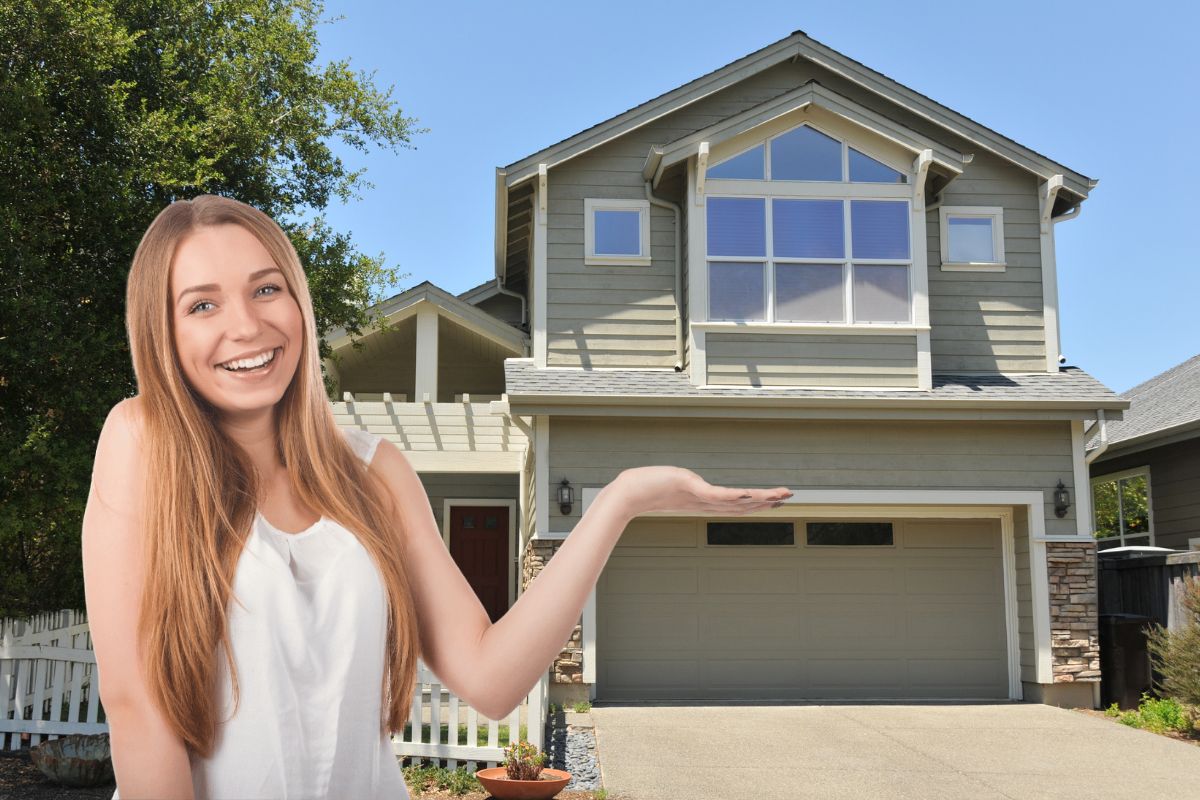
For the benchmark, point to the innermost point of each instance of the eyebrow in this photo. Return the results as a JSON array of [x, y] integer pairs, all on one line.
[[212, 287]]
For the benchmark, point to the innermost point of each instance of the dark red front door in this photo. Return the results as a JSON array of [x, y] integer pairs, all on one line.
[[479, 545]]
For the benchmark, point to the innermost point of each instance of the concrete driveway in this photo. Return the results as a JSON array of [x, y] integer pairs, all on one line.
[[1014, 750]]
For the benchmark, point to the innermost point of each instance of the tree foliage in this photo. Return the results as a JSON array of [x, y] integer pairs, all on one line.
[[109, 110]]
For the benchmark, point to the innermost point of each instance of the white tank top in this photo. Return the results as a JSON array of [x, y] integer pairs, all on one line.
[[309, 646]]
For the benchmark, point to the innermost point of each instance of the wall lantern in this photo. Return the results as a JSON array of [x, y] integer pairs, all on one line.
[[566, 496], [1062, 500]]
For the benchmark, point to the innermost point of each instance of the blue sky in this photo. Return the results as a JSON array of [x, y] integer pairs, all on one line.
[[1108, 93]]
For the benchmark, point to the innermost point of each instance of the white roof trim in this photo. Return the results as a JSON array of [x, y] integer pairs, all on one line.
[[405, 304], [811, 94], [799, 45]]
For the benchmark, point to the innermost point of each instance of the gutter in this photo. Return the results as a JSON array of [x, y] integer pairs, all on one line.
[[1092, 456], [658, 201]]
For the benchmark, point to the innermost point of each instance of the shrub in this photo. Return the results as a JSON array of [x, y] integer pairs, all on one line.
[[523, 762], [582, 707], [1154, 715], [1177, 653]]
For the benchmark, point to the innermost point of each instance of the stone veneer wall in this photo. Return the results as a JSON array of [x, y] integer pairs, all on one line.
[[568, 667], [1074, 624]]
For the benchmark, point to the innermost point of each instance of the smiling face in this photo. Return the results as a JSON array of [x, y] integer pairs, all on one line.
[[238, 330]]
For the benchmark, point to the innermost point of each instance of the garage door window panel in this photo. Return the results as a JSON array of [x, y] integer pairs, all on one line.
[[850, 534], [751, 533]]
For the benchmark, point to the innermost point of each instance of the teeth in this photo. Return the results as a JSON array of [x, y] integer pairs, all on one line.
[[250, 363]]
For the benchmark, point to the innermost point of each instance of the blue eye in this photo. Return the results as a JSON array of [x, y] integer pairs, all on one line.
[[205, 302]]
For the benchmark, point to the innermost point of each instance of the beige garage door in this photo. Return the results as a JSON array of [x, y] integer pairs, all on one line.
[[680, 619]]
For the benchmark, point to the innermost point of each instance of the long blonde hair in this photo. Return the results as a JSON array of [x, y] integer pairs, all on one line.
[[202, 500]]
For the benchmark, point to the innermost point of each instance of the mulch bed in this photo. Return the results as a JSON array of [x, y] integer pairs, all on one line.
[[19, 778], [442, 794]]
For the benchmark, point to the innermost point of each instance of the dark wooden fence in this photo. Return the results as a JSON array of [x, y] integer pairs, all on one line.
[[1150, 585]]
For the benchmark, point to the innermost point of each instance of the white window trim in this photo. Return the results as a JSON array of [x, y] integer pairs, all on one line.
[[996, 214], [1117, 476], [770, 261], [697, 236], [590, 256]]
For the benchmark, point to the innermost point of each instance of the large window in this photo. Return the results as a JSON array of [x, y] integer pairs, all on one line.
[[1121, 509], [823, 252]]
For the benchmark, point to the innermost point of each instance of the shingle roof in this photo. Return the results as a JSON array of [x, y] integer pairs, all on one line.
[[1168, 400], [1069, 387]]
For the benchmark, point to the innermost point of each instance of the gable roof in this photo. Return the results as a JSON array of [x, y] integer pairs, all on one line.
[[1166, 406], [799, 44], [468, 316], [811, 94]]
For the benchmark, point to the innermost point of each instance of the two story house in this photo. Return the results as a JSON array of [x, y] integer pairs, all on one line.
[[791, 271]]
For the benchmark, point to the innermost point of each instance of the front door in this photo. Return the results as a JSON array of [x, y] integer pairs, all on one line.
[[479, 545]]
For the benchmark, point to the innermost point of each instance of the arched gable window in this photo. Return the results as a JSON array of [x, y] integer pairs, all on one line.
[[796, 233]]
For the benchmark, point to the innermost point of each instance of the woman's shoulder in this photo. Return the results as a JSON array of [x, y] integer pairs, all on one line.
[[363, 443]]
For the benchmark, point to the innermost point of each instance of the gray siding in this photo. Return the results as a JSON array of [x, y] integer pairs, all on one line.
[[990, 321], [765, 359], [591, 451], [468, 363], [503, 306], [834, 455], [1174, 489], [441, 486], [624, 316]]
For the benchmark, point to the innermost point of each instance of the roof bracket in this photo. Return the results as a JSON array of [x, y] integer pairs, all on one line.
[[541, 193], [701, 171], [1049, 192], [921, 167]]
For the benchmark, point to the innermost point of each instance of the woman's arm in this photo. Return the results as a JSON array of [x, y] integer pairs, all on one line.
[[494, 666], [521, 645], [149, 759]]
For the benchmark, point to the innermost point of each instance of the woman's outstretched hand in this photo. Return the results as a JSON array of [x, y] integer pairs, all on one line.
[[666, 488]]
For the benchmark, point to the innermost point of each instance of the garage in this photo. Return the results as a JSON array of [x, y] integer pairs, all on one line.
[[823, 608]]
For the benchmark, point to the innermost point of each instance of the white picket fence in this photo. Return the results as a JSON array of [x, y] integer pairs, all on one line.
[[47, 668]]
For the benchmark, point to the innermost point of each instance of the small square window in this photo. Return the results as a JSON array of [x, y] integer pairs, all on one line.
[[972, 238], [616, 232]]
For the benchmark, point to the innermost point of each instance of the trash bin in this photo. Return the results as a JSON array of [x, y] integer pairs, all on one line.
[[1124, 660]]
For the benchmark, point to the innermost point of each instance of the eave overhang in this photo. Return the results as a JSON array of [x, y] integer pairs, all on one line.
[[799, 45], [947, 162]]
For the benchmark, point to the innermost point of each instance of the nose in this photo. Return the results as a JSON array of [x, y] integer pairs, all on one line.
[[244, 322]]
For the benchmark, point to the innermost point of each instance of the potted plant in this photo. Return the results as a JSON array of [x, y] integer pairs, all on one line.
[[523, 776]]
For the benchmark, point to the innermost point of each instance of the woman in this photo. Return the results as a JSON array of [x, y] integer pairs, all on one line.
[[260, 582]]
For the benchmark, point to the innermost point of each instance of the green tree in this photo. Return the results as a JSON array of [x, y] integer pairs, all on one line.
[[109, 110]]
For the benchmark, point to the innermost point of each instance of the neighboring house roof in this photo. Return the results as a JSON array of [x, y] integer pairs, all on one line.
[[479, 291], [798, 44], [1071, 388], [1165, 407], [467, 315]]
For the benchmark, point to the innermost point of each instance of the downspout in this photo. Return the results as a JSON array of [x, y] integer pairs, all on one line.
[[519, 296], [1092, 456], [658, 201]]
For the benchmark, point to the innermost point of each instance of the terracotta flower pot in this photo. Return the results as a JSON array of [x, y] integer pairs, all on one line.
[[75, 760], [548, 784]]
